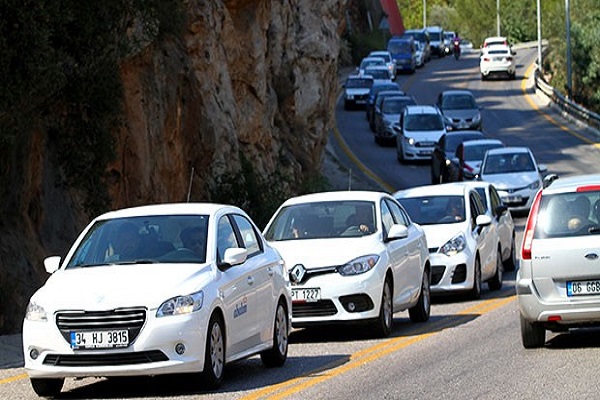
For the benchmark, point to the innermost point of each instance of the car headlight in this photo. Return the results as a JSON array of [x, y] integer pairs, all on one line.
[[454, 245], [35, 312], [477, 117], [181, 305], [359, 265], [411, 141], [534, 186], [448, 119]]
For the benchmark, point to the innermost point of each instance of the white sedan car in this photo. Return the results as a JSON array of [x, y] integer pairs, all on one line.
[[515, 174], [171, 288], [354, 256], [497, 60], [463, 242]]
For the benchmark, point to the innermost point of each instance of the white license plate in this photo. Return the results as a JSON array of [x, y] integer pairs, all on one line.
[[583, 288], [100, 339], [512, 199], [307, 295]]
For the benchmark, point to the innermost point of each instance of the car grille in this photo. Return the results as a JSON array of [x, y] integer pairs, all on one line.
[[460, 273], [131, 319], [96, 360], [437, 272], [321, 308]]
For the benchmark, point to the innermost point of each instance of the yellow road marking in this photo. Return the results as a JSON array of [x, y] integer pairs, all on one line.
[[312, 378], [13, 378]]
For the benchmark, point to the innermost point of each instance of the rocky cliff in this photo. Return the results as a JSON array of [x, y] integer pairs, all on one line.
[[251, 77]]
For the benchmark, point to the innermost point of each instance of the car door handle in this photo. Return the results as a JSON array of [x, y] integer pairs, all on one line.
[[250, 281], [270, 271]]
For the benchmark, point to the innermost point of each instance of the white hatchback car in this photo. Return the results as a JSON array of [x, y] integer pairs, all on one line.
[[497, 60], [354, 256], [389, 61], [515, 173], [170, 288], [419, 129], [463, 241], [558, 281]]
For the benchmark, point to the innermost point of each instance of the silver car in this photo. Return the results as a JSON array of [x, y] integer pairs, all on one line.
[[558, 282]]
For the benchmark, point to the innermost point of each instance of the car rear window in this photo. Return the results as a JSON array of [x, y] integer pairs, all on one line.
[[568, 214]]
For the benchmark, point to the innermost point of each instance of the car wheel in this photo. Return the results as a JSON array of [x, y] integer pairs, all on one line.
[[377, 140], [44, 387], [511, 263], [475, 292], [346, 105], [383, 325], [496, 282], [420, 312], [276, 356], [400, 154], [483, 77], [214, 355], [533, 335]]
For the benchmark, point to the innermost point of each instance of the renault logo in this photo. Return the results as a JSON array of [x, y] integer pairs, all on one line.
[[297, 273]]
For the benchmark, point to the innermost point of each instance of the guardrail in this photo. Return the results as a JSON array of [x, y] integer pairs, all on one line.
[[575, 110]]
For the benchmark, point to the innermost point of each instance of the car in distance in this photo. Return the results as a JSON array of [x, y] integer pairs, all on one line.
[[356, 90], [404, 53], [558, 281], [419, 128], [494, 41], [443, 155], [468, 158], [516, 175], [370, 62], [376, 106], [461, 237], [422, 37], [460, 109], [378, 86], [389, 61], [159, 289], [379, 73], [420, 54], [436, 40], [354, 257], [497, 60], [503, 220], [387, 115]]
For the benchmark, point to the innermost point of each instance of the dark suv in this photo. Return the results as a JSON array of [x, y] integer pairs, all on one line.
[[444, 153]]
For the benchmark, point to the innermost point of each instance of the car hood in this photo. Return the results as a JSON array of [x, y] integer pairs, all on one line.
[[430, 136], [461, 114], [103, 288], [438, 235], [513, 180], [316, 253]]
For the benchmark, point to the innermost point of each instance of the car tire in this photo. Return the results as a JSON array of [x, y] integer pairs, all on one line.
[[511, 262], [483, 77], [400, 154], [421, 311], [382, 327], [45, 387], [276, 356], [496, 282], [475, 292], [346, 105], [533, 335], [214, 355]]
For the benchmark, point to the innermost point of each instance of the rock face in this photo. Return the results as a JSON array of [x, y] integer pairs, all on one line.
[[256, 77]]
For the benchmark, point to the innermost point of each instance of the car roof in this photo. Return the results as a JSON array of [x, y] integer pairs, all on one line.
[[495, 39], [372, 59], [168, 209], [478, 142], [457, 91], [509, 150], [363, 195], [571, 183], [466, 133], [445, 189], [359, 77], [421, 109], [376, 52]]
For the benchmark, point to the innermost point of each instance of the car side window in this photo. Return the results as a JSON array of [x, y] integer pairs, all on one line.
[[249, 236], [386, 217], [398, 213], [495, 200], [225, 237], [475, 210]]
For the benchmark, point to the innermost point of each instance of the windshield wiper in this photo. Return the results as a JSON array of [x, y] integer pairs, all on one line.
[[138, 261]]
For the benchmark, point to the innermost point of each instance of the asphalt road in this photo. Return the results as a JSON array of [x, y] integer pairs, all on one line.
[[468, 349]]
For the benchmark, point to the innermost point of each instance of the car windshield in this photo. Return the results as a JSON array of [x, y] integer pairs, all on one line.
[[359, 83], [378, 73], [399, 47], [147, 239], [371, 61], [395, 106], [458, 102], [498, 52], [386, 57], [423, 122], [477, 152], [453, 140], [568, 214], [508, 163], [320, 220], [434, 210]]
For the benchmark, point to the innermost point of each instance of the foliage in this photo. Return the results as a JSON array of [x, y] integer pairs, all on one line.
[[361, 44], [59, 72]]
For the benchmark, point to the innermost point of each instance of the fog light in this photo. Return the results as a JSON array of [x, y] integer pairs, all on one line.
[[34, 354], [351, 307], [180, 348]]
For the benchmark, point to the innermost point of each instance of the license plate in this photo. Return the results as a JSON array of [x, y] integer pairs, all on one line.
[[583, 288], [512, 199], [307, 295], [100, 339], [425, 153]]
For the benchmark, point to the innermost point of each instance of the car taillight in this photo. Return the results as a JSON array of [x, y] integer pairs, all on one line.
[[509, 58], [486, 59], [530, 227]]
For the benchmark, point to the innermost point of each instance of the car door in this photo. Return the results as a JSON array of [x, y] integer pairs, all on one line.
[[263, 267], [487, 238], [405, 253], [237, 291]]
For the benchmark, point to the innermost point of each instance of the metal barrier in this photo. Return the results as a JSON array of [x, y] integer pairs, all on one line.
[[575, 110]]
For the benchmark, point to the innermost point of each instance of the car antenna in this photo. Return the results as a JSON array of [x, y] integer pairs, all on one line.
[[190, 185], [350, 179]]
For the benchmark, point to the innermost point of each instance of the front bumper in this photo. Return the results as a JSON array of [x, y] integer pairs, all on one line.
[[452, 273]]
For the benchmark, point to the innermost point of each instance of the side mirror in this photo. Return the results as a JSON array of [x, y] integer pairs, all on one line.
[[233, 256], [483, 220], [397, 231], [543, 168], [548, 179], [51, 264]]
